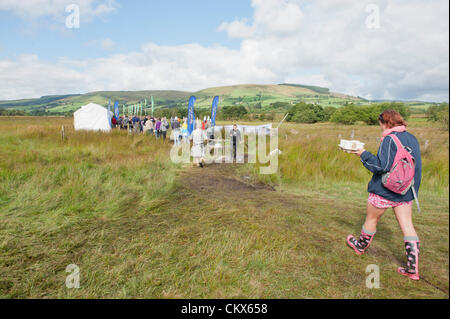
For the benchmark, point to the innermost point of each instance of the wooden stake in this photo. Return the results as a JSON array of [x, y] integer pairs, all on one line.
[[279, 124]]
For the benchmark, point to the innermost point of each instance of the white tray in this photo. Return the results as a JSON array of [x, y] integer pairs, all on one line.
[[348, 150]]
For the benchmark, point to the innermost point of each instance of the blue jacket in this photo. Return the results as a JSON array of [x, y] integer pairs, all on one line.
[[382, 163]]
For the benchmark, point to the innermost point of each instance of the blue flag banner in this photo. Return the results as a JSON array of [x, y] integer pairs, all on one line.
[[215, 104], [116, 109], [191, 115]]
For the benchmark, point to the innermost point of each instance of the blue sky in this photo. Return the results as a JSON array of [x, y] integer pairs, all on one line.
[[133, 24], [377, 49]]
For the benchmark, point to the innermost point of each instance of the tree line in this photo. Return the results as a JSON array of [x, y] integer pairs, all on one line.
[[300, 113], [439, 113], [348, 114]]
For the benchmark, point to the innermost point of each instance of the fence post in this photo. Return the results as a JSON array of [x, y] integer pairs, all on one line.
[[427, 144], [62, 133]]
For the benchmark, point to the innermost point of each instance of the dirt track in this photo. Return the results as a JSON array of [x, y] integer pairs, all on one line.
[[221, 178]]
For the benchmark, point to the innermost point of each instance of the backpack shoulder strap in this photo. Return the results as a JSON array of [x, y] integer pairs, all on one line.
[[396, 141]]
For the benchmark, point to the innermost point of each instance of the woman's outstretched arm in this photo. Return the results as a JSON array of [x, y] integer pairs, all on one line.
[[383, 161]]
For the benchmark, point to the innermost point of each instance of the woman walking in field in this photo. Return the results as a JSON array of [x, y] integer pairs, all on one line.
[[381, 198], [198, 138]]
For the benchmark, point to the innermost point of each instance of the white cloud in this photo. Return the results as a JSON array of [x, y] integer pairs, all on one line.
[[184, 67], [237, 29], [278, 17], [405, 58], [271, 17], [312, 42]]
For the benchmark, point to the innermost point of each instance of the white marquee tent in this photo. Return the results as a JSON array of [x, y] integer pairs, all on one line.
[[92, 117]]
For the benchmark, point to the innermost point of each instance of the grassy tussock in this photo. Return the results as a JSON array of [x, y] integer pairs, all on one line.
[[52, 193]]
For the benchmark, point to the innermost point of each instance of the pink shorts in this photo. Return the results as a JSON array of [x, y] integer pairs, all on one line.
[[380, 202]]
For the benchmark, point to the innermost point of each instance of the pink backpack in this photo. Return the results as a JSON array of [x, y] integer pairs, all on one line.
[[401, 176]]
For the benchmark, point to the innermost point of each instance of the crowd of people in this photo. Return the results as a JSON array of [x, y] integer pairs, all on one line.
[[160, 126]]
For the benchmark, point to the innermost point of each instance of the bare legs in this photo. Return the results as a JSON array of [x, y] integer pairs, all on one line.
[[404, 218], [412, 244], [368, 230], [402, 213], [373, 216]]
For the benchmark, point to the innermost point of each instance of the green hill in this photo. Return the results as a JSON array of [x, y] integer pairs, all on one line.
[[317, 89], [69, 103], [249, 95]]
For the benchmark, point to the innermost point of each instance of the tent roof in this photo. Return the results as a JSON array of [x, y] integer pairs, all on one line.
[[92, 117], [92, 106]]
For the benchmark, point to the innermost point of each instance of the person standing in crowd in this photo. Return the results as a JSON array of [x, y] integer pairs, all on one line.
[[210, 134], [235, 137], [198, 138], [153, 126], [158, 127], [129, 124], [113, 122], [119, 122], [136, 124], [176, 124], [381, 198], [176, 131], [147, 126], [184, 132], [178, 134], [164, 127], [141, 125]]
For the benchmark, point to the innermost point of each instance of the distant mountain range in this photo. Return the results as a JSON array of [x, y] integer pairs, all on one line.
[[249, 95]]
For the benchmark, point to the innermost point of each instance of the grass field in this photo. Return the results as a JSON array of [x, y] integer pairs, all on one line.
[[139, 226]]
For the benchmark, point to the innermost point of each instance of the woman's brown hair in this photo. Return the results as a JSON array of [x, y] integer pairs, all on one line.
[[391, 118]]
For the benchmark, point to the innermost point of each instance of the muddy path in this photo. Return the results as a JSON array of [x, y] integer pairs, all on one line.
[[225, 185], [222, 178]]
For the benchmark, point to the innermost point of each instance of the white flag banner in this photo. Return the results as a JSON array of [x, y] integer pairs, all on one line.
[[247, 128]]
